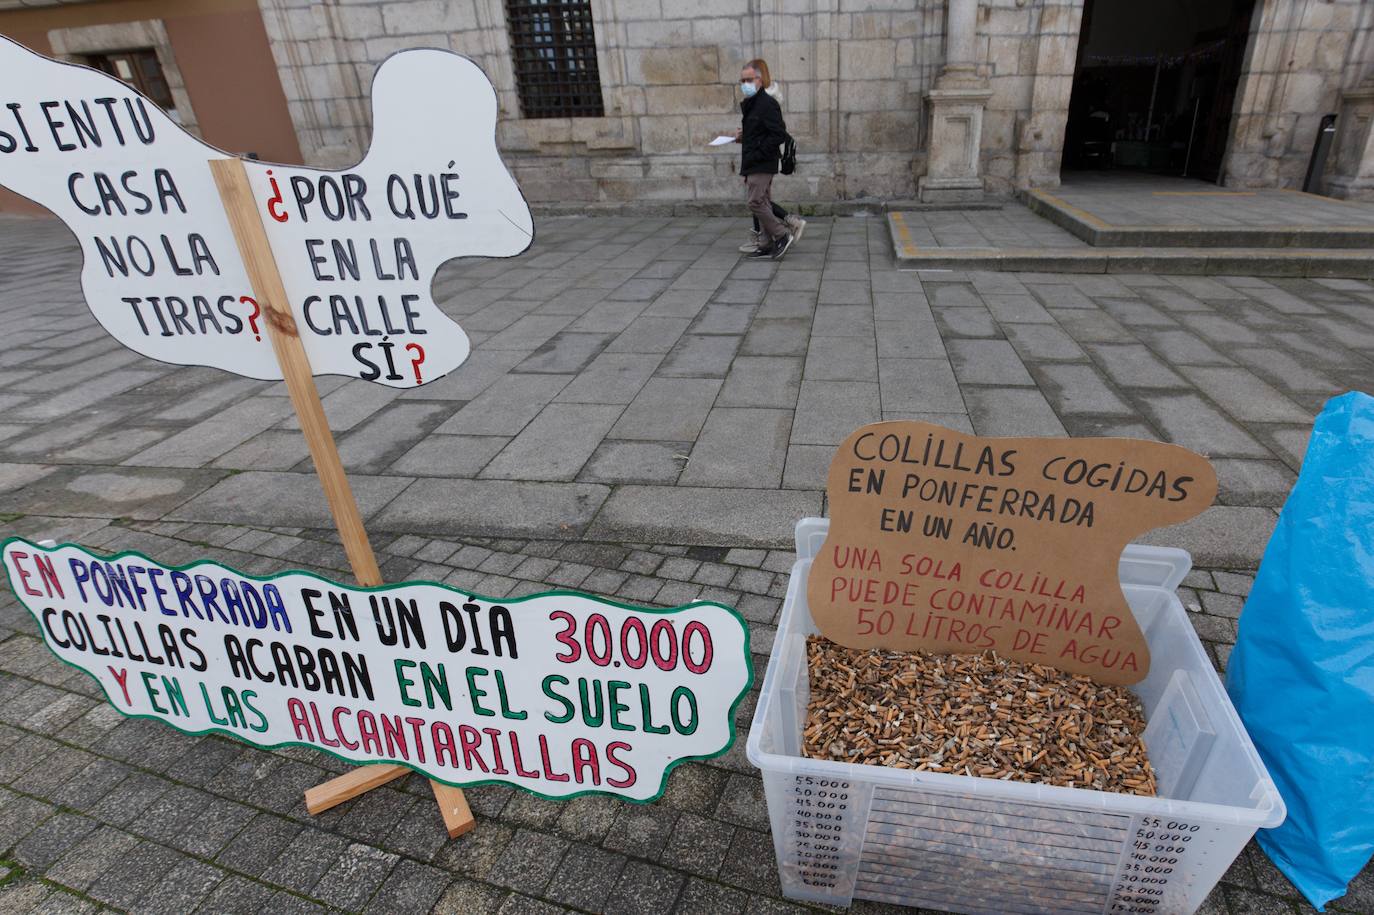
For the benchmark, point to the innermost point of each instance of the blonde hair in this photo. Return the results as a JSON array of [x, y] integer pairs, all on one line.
[[760, 66]]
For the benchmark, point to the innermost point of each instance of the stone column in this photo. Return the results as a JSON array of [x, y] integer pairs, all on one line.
[[955, 109], [961, 23], [1352, 172], [1040, 132]]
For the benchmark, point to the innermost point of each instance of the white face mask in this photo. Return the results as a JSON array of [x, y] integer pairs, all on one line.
[[749, 89]]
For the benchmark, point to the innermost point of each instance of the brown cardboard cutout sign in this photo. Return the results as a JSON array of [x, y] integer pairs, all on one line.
[[956, 543]]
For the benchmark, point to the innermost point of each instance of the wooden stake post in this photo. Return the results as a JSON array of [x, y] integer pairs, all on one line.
[[239, 205]]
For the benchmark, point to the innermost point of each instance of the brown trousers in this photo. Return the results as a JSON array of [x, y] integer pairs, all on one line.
[[761, 206]]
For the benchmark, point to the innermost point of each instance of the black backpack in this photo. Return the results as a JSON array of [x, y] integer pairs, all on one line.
[[789, 156]]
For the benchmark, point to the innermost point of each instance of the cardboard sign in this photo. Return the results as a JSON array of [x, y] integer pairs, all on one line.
[[561, 694], [356, 249], [955, 543]]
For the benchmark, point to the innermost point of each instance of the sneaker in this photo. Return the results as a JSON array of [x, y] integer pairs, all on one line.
[[753, 243], [780, 246], [763, 251], [796, 225]]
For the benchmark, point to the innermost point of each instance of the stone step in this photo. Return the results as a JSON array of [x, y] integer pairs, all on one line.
[[1244, 261], [1296, 262], [1100, 233]]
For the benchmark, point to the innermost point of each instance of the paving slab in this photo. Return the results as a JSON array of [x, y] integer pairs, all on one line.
[[1224, 536], [925, 385], [567, 352], [506, 406], [276, 499], [842, 359], [740, 447], [762, 381], [1011, 411], [668, 409], [611, 378], [696, 515], [112, 492], [1073, 388], [636, 462], [15, 476], [827, 411], [491, 508], [987, 362], [555, 444]]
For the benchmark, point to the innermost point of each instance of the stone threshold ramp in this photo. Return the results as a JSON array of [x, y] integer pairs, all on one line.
[[1083, 258], [1138, 217]]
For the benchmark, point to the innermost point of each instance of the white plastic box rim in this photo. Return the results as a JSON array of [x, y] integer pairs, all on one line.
[[1161, 567]]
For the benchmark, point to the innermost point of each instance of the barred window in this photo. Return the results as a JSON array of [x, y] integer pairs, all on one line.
[[554, 49]]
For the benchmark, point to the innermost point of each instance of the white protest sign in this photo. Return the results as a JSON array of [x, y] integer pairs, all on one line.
[[560, 693], [357, 249]]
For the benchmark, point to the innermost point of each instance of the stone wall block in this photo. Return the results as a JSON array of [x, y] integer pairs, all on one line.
[[880, 130], [673, 66], [413, 17], [867, 60], [724, 33], [905, 54], [663, 34], [882, 95], [870, 25], [628, 10], [1330, 53], [999, 130], [659, 135], [379, 49], [689, 99], [306, 23], [1059, 18], [330, 81], [1309, 92], [864, 6], [617, 168], [798, 97], [681, 167], [733, 8], [359, 21], [616, 190], [1006, 21], [545, 190], [1012, 93]]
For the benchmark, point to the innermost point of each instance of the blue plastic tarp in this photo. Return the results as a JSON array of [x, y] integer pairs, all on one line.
[[1302, 672]]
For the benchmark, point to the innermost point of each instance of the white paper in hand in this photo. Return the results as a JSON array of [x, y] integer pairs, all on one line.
[[722, 140]]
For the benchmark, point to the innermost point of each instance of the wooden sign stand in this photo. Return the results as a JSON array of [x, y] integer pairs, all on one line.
[[239, 205]]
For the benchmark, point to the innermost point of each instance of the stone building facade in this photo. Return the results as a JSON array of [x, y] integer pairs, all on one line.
[[887, 99], [204, 59], [856, 76]]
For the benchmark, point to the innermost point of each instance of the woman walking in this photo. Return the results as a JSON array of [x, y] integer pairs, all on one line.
[[795, 224], [761, 133]]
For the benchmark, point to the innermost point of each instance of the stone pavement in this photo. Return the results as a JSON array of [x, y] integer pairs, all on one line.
[[1203, 211], [1120, 222], [645, 415]]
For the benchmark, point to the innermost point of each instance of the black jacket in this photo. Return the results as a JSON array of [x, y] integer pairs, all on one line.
[[764, 132]]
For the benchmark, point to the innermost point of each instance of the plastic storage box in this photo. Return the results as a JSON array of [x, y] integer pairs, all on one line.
[[965, 844]]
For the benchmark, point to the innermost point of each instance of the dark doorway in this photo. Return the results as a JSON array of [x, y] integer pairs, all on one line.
[[1154, 85]]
